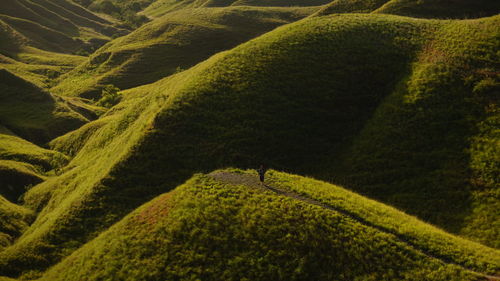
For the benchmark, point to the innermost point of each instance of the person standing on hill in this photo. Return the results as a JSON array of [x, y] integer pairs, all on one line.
[[262, 172]]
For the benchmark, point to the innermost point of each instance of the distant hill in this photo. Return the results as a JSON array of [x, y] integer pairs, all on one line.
[[227, 226], [444, 9], [161, 7], [172, 43], [397, 108], [14, 220], [39, 39], [35, 114], [76, 28]]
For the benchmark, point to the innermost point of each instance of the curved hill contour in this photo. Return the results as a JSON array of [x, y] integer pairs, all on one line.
[[227, 226], [170, 44], [443, 9], [424, 82]]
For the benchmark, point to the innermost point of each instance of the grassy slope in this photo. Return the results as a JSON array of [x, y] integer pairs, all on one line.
[[441, 8], [416, 8], [14, 220], [178, 40], [216, 230], [35, 34], [161, 7], [75, 26], [432, 140], [33, 113], [23, 163], [251, 105]]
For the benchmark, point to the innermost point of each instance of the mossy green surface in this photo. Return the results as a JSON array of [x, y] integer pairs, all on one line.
[[298, 99], [14, 219], [234, 229], [170, 44], [33, 113], [161, 7], [70, 26], [440, 9]]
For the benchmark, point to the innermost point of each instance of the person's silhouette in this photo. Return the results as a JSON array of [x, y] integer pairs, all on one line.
[[262, 172]]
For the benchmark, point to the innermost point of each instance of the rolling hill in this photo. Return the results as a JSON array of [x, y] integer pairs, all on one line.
[[227, 226], [172, 43], [444, 9], [14, 220], [35, 114], [39, 40], [159, 8], [73, 27], [297, 98]]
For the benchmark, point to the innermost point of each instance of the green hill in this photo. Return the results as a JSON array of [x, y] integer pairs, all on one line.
[[297, 99], [174, 42], [74, 27], [14, 220], [226, 226], [460, 9], [161, 7], [23, 164], [34, 114], [125, 10]]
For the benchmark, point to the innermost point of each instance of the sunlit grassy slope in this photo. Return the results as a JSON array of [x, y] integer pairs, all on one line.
[[416, 8], [23, 164], [161, 7], [14, 220], [230, 228], [174, 42], [34, 114], [57, 25], [18, 55], [296, 98], [39, 39]]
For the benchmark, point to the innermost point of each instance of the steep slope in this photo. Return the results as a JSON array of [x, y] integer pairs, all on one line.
[[441, 8], [74, 27], [23, 164], [227, 227], [32, 113], [174, 42], [14, 220], [18, 55], [125, 10], [161, 7], [256, 104], [460, 9]]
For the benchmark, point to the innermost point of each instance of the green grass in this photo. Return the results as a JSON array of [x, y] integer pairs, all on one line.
[[23, 164], [441, 8], [14, 219], [214, 230], [174, 42], [34, 114], [298, 99], [460, 9], [16, 177], [44, 20], [161, 7]]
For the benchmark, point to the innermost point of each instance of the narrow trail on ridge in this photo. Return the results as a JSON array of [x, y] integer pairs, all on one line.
[[253, 181]]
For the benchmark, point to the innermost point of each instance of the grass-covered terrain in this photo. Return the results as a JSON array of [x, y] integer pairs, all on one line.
[[225, 226], [35, 114], [14, 219], [298, 98], [71, 26], [23, 164], [159, 8], [125, 10], [40, 40], [444, 9], [170, 44]]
